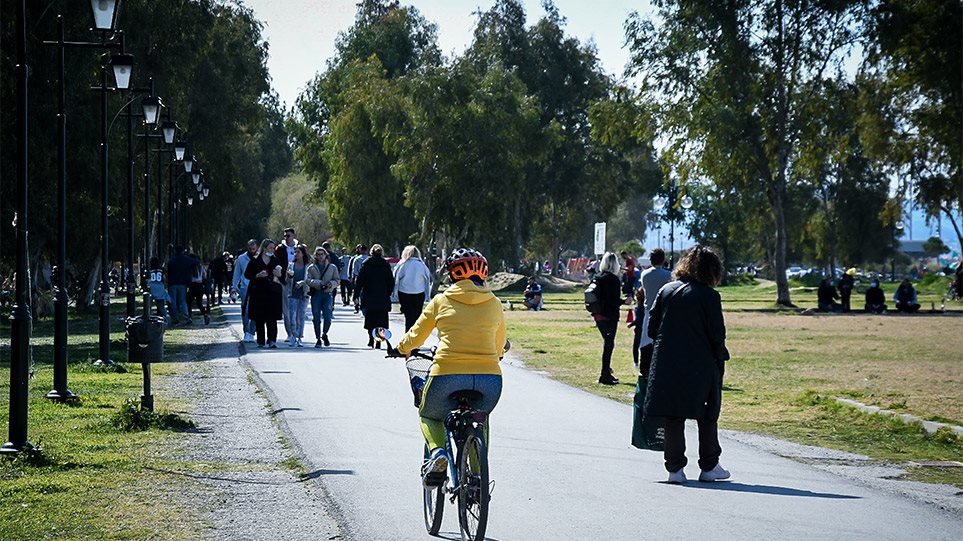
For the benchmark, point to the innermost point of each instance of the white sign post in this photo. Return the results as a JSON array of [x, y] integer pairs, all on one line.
[[600, 238]]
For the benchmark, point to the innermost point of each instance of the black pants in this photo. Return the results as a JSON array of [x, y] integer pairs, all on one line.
[[219, 288], [607, 328], [411, 307], [909, 308], [709, 449], [637, 341], [272, 331], [196, 294], [346, 289], [844, 298]]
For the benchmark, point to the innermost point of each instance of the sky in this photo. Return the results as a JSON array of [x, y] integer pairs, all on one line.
[[301, 36]]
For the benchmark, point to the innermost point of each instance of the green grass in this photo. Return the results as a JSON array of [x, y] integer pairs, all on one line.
[[98, 477], [779, 359]]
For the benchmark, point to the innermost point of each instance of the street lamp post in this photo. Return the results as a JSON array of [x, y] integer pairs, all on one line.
[[20, 316], [121, 65]]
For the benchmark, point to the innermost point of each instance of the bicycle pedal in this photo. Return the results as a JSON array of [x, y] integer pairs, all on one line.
[[435, 479]]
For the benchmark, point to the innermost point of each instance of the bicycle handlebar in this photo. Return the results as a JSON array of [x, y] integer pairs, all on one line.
[[394, 353]]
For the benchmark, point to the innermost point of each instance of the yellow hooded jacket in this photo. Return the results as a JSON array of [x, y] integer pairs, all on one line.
[[471, 330]]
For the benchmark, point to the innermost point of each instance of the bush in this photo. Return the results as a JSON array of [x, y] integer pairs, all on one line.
[[130, 418], [739, 279]]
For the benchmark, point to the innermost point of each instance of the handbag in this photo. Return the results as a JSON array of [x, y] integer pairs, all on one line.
[[648, 432]]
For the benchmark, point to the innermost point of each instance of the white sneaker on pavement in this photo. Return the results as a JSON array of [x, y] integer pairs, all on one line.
[[248, 337], [677, 478], [715, 474]]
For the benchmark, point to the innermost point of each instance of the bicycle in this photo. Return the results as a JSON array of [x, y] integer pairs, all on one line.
[[470, 486]]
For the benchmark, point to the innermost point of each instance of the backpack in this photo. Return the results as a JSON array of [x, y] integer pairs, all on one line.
[[592, 301]]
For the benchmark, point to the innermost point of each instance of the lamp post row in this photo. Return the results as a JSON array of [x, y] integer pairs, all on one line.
[[105, 16]]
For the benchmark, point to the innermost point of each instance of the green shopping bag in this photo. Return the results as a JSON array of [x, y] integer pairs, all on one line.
[[647, 432]]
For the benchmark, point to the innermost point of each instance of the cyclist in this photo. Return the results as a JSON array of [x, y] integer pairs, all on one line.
[[471, 339]]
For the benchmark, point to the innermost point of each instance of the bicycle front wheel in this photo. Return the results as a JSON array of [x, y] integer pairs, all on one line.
[[473, 487]]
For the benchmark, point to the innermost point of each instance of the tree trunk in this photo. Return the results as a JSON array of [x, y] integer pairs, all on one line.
[[956, 227], [93, 282], [779, 262]]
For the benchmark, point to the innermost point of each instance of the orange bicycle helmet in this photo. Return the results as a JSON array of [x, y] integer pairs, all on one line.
[[466, 263]]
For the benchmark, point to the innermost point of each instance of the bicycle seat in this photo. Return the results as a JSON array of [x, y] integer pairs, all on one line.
[[467, 396]]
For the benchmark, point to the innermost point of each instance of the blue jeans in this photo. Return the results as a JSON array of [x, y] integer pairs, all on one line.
[[322, 307], [297, 306], [436, 404], [179, 302]]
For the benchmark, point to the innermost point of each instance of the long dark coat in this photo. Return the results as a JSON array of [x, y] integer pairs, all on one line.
[[375, 284], [264, 294], [688, 361]]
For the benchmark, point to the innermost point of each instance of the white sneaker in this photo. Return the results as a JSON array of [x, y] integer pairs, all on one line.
[[435, 468], [677, 478], [300, 344], [248, 337], [715, 474]]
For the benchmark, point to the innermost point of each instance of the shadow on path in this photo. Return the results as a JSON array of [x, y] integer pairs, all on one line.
[[768, 489], [319, 473]]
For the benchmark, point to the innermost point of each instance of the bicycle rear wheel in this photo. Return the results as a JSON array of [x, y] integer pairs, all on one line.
[[473, 487]]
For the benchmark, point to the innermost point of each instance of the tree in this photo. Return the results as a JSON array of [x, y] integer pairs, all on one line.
[[935, 246], [294, 204], [729, 82], [913, 102]]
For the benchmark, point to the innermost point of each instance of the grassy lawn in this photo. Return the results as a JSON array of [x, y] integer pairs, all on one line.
[[786, 369], [92, 480]]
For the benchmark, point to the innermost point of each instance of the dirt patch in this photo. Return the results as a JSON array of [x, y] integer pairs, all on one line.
[[510, 282]]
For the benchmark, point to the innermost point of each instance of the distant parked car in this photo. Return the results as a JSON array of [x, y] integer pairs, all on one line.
[[796, 272]]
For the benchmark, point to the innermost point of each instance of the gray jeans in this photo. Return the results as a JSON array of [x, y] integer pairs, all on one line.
[[436, 403], [285, 295]]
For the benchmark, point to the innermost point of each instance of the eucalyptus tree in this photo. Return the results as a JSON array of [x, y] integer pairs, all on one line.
[[913, 102], [729, 82]]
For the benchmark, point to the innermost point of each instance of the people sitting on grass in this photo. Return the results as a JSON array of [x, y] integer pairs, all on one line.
[[533, 295], [827, 296], [905, 298], [875, 298]]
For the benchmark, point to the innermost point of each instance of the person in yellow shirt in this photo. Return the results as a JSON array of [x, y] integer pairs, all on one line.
[[471, 340]]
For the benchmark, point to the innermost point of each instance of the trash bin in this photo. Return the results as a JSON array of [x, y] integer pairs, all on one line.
[[145, 339]]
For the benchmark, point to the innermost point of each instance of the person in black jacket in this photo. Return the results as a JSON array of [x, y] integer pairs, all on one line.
[[609, 290], [875, 298], [218, 270], [374, 285], [264, 293], [827, 295], [685, 379]]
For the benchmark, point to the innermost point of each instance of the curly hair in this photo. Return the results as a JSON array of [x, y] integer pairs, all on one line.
[[700, 264]]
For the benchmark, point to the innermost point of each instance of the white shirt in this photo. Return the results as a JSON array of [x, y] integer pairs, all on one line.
[[413, 277], [652, 281]]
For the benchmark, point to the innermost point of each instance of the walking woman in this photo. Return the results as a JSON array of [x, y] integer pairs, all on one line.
[[412, 284], [374, 286], [608, 287], [298, 296], [323, 278], [685, 380], [196, 292], [264, 293]]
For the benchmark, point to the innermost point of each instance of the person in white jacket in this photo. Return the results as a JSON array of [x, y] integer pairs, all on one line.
[[412, 284], [239, 282]]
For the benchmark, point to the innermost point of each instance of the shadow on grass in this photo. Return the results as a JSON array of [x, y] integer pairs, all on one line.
[[768, 489]]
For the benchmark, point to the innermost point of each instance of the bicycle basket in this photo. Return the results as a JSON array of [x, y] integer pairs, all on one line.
[[418, 376]]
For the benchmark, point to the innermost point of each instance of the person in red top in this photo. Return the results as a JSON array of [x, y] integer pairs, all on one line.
[[628, 277]]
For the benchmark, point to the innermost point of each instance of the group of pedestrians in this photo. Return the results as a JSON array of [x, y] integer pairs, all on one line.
[[283, 280], [678, 347]]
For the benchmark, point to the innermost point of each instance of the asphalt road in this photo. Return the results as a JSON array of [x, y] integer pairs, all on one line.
[[560, 458]]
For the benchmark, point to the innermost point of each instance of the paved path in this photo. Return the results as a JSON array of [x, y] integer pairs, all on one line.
[[560, 459]]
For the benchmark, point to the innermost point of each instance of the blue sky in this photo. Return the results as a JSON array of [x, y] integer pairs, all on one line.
[[301, 36]]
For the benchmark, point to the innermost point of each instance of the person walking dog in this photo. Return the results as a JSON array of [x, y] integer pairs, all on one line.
[[688, 362]]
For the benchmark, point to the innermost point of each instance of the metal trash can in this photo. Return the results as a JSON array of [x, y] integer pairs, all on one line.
[[145, 340]]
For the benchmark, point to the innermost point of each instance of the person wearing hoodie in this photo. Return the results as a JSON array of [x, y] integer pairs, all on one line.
[[374, 286], [875, 298], [471, 340]]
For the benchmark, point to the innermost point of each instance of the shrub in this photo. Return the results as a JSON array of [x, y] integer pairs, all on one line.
[[130, 418]]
